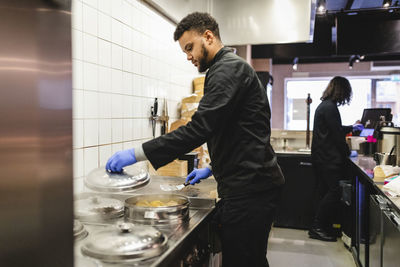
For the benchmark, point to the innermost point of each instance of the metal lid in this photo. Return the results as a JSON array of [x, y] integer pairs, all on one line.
[[79, 230], [86, 262], [132, 177], [125, 242], [390, 130], [96, 207]]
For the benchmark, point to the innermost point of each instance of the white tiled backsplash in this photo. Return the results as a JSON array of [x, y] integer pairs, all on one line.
[[124, 56]]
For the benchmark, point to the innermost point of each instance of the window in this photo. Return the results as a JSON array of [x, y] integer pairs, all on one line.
[[296, 95], [388, 96]]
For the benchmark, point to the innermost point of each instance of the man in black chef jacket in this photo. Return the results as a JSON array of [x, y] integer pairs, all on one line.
[[233, 117], [329, 152]]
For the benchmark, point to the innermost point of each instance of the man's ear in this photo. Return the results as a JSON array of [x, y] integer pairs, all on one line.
[[209, 36]]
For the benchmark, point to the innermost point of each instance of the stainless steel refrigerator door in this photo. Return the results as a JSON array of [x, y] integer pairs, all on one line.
[[36, 133], [391, 239], [376, 206]]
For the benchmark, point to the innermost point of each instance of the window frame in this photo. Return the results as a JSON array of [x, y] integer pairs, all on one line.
[[373, 78]]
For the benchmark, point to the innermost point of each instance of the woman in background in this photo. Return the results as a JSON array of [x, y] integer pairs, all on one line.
[[329, 154]]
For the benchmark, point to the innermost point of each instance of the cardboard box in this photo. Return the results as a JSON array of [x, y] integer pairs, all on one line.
[[187, 115], [176, 124], [198, 85], [177, 168], [193, 98]]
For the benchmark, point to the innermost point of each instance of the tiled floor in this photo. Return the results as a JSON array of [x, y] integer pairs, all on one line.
[[289, 247]]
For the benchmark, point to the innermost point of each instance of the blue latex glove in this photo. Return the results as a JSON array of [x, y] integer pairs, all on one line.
[[358, 127], [121, 159], [197, 174], [353, 154]]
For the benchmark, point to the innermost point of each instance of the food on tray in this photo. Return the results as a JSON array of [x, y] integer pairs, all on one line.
[[156, 203]]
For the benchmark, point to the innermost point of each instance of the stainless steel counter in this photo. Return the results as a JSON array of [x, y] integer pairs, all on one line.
[[200, 210], [366, 164], [294, 152], [376, 221]]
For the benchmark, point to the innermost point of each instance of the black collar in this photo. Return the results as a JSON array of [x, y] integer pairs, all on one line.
[[219, 54]]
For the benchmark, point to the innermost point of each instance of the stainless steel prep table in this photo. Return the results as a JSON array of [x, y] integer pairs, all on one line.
[[363, 163], [183, 240], [372, 212]]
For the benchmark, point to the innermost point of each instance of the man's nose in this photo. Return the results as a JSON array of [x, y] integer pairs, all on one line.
[[189, 57]]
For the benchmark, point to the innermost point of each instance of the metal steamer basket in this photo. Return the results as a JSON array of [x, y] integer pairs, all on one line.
[[79, 231], [125, 242], [131, 178], [98, 208], [163, 215]]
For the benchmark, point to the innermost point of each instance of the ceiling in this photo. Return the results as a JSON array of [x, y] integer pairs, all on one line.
[[354, 5], [346, 28]]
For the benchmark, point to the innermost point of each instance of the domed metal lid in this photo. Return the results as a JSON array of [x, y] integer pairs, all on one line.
[[125, 242], [390, 130], [132, 177], [79, 230], [86, 262], [94, 208]]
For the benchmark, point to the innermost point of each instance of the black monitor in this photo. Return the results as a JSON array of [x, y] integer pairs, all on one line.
[[372, 116]]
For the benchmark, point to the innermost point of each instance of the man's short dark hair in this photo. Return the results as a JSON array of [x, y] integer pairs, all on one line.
[[199, 22]]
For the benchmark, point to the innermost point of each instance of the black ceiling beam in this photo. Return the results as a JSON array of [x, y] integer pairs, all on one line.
[[365, 10]]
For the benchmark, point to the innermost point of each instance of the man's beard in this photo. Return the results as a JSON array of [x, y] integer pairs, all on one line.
[[203, 64]]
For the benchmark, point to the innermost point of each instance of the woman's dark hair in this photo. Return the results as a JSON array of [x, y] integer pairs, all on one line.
[[199, 22], [338, 90]]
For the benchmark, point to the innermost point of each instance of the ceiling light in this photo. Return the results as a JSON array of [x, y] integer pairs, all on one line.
[[355, 58], [321, 6], [295, 62], [386, 3]]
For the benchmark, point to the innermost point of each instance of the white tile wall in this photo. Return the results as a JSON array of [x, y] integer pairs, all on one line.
[[123, 56]]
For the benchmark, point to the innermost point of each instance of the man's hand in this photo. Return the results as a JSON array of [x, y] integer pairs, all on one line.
[[197, 174], [121, 159]]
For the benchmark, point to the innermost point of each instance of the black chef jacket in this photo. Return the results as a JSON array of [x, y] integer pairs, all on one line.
[[233, 117], [329, 147]]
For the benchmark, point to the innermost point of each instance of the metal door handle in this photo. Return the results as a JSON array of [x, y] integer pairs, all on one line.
[[395, 218], [303, 163]]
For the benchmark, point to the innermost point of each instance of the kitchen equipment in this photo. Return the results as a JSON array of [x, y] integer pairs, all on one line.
[[368, 148], [174, 187], [391, 238], [372, 117], [308, 102], [125, 242], [388, 137], [97, 208], [157, 215], [384, 159], [354, 142], [377, 205], [36, 134], [169, 187], [86, 262], [154, 116], [132, 177], [164, 118], [79, 231]]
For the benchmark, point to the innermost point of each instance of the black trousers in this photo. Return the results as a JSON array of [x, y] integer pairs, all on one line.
[[243, 226], [328, 196]]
